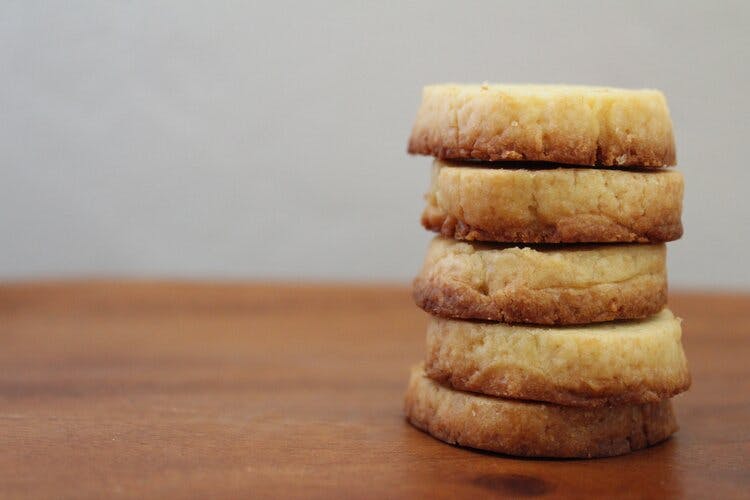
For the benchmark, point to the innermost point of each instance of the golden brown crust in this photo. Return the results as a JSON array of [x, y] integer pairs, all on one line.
[[534, 429], [593, 365], [557, 205], [543, 307], [563, 124], [542, 285]]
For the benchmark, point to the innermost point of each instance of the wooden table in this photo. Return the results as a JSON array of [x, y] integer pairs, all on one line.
[[172, 390]]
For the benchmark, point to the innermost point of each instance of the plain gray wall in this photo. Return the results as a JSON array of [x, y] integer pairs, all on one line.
[[267, 140]]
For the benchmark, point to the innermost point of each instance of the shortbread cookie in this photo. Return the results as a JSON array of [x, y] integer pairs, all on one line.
[[534, 429], [544, 284], [555, 123], [553, 205], [635, 361]]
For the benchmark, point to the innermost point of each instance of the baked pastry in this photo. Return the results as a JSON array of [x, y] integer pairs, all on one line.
[[542, 284], [555, 123], [470, 201], [534, 429], [635, 361]]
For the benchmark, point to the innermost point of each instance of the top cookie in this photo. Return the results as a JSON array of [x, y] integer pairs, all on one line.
[[594, 126]]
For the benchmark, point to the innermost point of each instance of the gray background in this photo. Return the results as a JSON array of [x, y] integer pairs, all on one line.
[[248, 140]]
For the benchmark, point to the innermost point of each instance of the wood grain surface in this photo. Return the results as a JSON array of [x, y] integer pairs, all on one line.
[[178, 390]]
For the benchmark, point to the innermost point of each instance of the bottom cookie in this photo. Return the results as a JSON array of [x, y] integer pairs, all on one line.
[[533, 429]]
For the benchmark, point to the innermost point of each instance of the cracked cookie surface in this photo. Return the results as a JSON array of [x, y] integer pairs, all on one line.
[[624, 362], [473, 201], [579, 125], [533, 429], [548, 285]]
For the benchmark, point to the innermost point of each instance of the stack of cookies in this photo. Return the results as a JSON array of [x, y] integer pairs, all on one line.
[[547, 285]]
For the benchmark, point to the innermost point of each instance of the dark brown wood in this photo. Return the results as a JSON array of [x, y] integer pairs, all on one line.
[[177, 390]]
